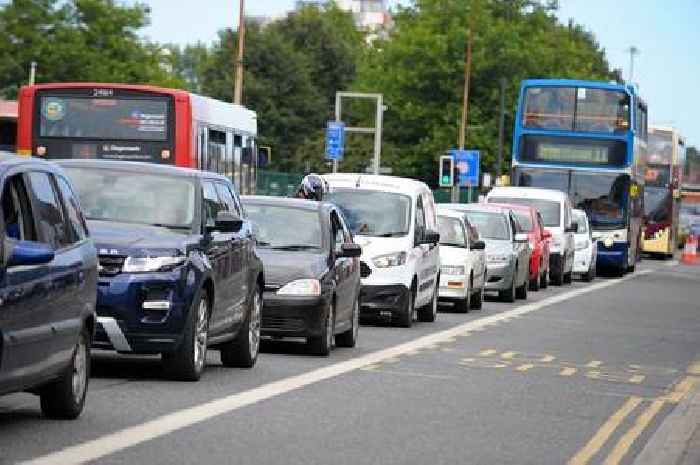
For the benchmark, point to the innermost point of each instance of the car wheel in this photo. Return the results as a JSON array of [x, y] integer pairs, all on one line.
[[544, 280], [428, 313], [535, 283], [187, 363], [65, 397], [322, 345], [590, 275], [405, 319], [568, 277], [521, 292], [508, 295], [242, 352], [349, 337], [477, 298]]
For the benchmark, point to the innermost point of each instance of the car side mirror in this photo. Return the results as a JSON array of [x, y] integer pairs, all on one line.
[[430, 237], [573, 228], [478, 245], [350, 250], [521, 238], [24, 253], [226, 222], [546, 234]]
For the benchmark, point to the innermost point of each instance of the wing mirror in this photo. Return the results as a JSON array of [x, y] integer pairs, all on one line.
[[478, 245], [546, 234], [24, 253], [430, 237], [350, 250], [521, 238], [226, 222], [573, 228]]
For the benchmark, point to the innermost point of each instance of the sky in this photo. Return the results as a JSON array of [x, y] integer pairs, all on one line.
[[666, 32]]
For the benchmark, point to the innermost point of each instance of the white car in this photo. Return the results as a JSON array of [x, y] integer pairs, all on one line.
[[462, 261], [586, 248], [556, 211], [394, 219]]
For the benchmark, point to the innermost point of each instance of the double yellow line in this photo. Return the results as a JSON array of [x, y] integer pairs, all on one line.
[[623, 445]]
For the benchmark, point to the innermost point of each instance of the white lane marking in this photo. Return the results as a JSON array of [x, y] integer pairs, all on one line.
[[138, 434], [672, 263]]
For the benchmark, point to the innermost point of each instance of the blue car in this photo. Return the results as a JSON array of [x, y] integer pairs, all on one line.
[[48, 281], [179, 273]]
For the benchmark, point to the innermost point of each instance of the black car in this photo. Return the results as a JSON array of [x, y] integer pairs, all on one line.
[[312, 270], [48, 281], [178, 268]]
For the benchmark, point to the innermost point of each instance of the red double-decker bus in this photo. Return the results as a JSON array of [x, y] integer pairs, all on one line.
[[139, 123]]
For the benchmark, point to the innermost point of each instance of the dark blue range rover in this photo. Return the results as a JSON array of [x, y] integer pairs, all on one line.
[[178, 267]]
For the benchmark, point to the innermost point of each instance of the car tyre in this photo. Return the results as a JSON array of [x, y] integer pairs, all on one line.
[[521, 292], [544, 279], [535, 283], [428, 313], [405, 319], [65, 398], [568, 277], [242, 352], [508, 295], [188, 361], [590, 275], [349, 337], [323, 344], [477, 299]]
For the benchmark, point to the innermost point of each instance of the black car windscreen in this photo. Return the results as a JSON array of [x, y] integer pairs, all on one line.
[[141, 119]]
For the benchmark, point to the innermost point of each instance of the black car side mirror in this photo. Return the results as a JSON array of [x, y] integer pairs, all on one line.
[[226, 222], [573, 228], [350, 250], [430, 237], [478, 245]]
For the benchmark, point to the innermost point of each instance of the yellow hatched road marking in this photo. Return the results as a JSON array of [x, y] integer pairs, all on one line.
[[525, 367], [637, 379], [694, 369], [681, 390], [508, 355], [568, 371], [487, 352], [603, 434], [594, 364], [626, 441]]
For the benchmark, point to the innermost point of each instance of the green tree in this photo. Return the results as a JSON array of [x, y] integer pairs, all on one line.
[[78, 40], [420, 67]]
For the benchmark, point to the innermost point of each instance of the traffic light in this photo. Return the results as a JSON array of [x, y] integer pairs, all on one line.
[[447, 178]]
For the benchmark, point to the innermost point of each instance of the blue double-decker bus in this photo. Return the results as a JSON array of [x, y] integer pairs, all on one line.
[[588, 139]]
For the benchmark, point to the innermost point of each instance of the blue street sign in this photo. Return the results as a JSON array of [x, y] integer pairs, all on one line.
[[467, 164], [335, 140]]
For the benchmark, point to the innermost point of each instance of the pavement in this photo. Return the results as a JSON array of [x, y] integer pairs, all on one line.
[[600, 373]]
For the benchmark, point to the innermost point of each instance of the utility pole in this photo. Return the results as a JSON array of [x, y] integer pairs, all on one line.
[[633, 51], [238, 82], [32, 73], [501, 128], [465, 102]]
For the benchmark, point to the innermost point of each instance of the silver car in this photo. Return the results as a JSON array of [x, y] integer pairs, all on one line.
[[507, 251]]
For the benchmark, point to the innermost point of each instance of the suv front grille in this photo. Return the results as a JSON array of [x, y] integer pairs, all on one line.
[[365, 270], [111, 265]]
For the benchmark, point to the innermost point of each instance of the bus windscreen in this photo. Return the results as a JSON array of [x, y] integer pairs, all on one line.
[[139, 119]]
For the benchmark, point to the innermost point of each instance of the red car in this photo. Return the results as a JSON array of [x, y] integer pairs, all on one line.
[[531, 223]]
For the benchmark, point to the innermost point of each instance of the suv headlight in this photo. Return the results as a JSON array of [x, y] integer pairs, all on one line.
[[497, 258], [150, 264], [452, 270], [389, 260], [305, 287]]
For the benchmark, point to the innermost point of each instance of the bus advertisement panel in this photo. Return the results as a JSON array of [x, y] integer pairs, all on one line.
[[665, 158], [587, 139], [138, 123]]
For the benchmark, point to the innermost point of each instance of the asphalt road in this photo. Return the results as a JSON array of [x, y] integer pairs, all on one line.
[[579, 374]]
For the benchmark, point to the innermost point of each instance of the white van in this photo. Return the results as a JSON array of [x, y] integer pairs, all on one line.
[[556, 211], [394, 219]]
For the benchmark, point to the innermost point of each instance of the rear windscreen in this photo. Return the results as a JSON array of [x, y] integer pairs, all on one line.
[[142, 119]]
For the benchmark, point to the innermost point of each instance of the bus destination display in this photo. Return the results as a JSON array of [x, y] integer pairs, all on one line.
[[568, 153]]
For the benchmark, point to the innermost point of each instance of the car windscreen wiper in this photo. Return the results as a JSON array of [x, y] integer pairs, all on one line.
[[294, 247], [170, 226], [391, 234]]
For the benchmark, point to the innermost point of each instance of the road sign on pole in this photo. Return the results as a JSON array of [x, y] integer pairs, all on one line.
[[335, 140], [467, 163]]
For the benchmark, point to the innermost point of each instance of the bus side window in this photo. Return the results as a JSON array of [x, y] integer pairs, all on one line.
[[237, 149], [216, 151]]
